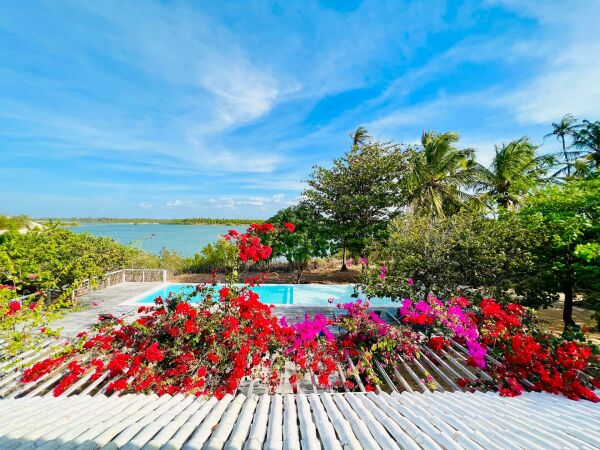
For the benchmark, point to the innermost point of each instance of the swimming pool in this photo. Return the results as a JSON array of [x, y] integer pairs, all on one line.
[[278, 294]]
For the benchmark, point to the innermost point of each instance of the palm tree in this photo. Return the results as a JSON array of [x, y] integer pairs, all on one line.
[[440, 174], [587, 139], [360, 136], [566, 127], [513, 172]]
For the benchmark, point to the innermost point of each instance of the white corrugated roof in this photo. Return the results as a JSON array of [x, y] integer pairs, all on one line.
[[313, 421]]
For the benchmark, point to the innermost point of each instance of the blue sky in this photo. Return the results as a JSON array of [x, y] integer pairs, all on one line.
[[220, 109]]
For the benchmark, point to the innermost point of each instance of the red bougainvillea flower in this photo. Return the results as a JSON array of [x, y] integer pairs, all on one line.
[[438, 343], [13, 307], [290, 227], [154, 353]]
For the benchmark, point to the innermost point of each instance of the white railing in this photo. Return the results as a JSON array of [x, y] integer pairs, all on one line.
[[109, 279]]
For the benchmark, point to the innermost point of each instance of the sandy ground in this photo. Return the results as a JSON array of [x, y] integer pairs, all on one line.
[[552, 318]]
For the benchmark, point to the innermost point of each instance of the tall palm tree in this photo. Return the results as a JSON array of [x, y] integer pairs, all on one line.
[[513, 172], [587, 139], [566, 127], [360, 136], [440, 175]]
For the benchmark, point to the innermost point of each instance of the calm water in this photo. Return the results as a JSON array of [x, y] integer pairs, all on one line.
[[185, 239], [281, 294]]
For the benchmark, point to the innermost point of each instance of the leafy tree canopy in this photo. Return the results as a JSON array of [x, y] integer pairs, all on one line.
[[466, 253], [310, 238], [359, 194], [439, 174], [568, 215]]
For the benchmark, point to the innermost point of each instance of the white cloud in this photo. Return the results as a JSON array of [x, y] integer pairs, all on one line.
[[146, 205], [570, 83], [174, 203], [567, 79], [277, 198]]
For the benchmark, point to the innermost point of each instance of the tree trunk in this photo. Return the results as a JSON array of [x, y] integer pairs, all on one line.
[[566, 157], [568, 290], [344, 267]]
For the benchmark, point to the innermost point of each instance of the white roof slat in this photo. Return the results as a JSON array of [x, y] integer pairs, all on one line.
[[173, 426], [258, 430], [291, 435], [308, 431], [203, 432], [377, 430], [275, 430], [243, 424], [324, 426], [360, 429], [226, 424], [341, 425]]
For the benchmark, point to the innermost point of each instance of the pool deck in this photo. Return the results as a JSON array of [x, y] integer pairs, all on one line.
[[105, 301]]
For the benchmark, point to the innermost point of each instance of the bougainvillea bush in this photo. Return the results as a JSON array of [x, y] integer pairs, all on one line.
[[526, 352], [23, 321], [208, 342]]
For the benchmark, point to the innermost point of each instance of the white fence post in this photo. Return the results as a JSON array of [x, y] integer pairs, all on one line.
[[164, 276]]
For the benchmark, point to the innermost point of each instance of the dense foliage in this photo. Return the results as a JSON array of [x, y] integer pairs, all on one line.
[[439, 174], [568, 216], [54, 257], [466, 253], [308, 240], [13, 222], [55, 261], [515, 170], [216, 256]]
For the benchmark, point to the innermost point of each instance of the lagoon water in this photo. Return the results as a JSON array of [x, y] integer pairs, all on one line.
[[185, 239]]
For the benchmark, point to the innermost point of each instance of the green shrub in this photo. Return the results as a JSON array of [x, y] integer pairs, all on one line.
[[463, 254], [218, 256]]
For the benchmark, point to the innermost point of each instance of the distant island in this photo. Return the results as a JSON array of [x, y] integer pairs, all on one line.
[[73, 221]]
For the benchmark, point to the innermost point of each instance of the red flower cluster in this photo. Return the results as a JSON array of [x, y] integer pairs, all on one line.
[[249, 246], [263, 228], [438, 343], [14, 306], [549, 363]]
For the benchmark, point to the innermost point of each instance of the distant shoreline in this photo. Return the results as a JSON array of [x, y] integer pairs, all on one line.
[[75, 221]]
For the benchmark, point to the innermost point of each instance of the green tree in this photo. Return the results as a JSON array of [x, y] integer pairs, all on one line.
[[359, 195], [310, 238], [587, 139], [360, 136], [466, 253], [561, 130], [222, 255], [515, 170], [569, 217], [439, 174]]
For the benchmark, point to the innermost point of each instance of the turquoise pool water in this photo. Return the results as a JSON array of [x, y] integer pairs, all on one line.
[[281, 294]]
